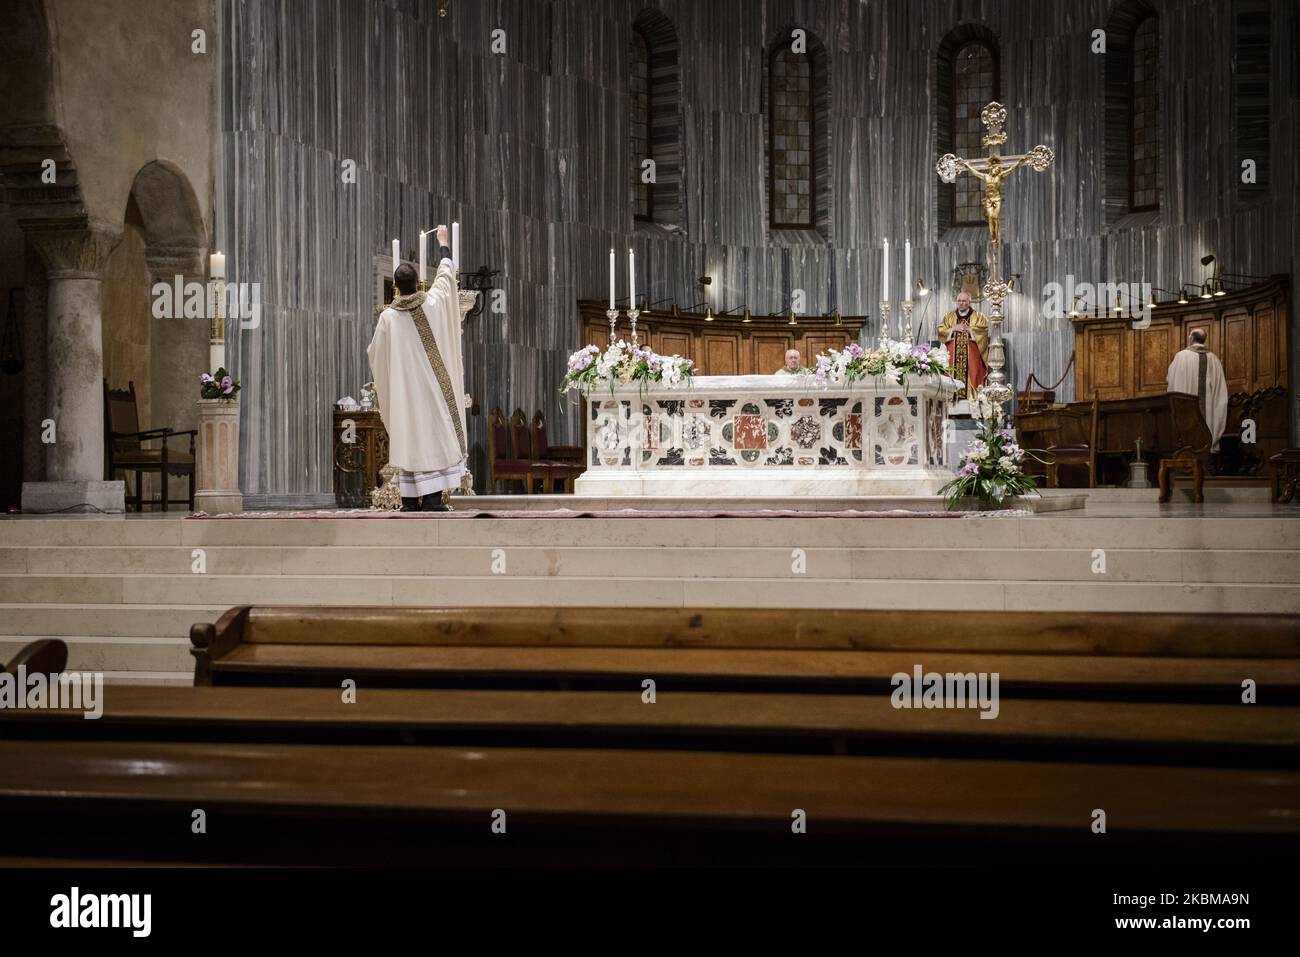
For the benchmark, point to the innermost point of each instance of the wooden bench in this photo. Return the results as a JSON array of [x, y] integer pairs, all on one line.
[[1224, 735], [285, 803], [1123, 656]]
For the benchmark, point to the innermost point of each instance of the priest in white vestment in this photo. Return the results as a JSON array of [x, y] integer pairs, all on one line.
[[1197, 371], [415, 358]]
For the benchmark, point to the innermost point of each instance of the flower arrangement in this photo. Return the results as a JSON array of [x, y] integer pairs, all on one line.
[[896, 360], [219, 385], [990, 467], [621, 363]]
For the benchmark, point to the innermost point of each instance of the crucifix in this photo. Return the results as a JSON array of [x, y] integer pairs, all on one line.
[[991, 170]]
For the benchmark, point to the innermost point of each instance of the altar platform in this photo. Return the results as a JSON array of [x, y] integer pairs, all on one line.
[[769, 436]]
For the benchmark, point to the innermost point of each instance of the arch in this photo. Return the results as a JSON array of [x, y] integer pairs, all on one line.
[[1133, 169], [968, 75], [654, 85], [796, 118], [27, 66], [174, 232]]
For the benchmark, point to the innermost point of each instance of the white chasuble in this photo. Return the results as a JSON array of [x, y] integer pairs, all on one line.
[[1197, 371], [415, 358]]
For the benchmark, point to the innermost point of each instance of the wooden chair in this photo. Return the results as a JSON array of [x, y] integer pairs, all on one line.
[[124, 448], [1286, 475], [504, 465], [1194, 442], [563, 462], [1080, 428]]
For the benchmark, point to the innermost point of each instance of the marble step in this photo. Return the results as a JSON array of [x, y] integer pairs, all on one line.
[[55, 605], [109, 574], [1056, 530]]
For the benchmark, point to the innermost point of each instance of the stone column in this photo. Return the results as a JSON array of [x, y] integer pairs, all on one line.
[[75, 254]]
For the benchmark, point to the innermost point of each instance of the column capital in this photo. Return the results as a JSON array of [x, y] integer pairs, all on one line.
[[73, 248], [167, 262]]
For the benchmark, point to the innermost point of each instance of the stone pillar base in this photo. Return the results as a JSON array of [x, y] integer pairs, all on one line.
[[72, 497], [218, 503]]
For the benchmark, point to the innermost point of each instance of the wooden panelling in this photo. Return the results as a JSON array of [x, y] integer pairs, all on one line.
[[1245, 329], [1154, 346], [1237, 351], [770, 349], [727, 346]]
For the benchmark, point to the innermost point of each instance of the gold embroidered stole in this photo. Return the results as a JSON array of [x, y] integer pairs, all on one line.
[[413, 305]]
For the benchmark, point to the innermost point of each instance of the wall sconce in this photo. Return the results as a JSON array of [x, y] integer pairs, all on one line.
[[647, 306], [921, 289], [1074, 307], [482, 282], [708, 310], [793, 321]]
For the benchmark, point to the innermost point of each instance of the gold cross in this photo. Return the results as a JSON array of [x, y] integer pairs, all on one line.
[[991, 170]]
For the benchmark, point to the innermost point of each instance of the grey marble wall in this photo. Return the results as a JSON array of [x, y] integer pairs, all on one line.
[[528, 150]]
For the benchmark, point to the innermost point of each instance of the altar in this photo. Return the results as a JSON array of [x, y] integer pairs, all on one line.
[[768, 435]]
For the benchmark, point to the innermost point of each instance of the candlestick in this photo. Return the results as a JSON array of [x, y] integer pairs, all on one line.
[[612, 316], [612, 304], [424, 256], [633, 314], [217, 266], [217, 324], [397, 257], [455, 246], [884, 324], [884, 274], [908, 305], [907, 272], [631, 278]]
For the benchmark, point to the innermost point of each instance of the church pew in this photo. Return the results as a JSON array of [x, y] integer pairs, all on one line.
[[1224, 735], [1162, 634], [737, 669], [294, 803]]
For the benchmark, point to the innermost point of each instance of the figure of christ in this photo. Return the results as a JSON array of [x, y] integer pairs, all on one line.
[[415, 357], [992, 177], [965, 332]]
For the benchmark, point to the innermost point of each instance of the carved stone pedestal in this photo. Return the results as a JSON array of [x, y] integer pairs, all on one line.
[[216, 482]]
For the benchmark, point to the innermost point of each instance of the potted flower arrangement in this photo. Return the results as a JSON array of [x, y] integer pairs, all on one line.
[[989, 472], [218, 386], [897, 360], [621, 363]]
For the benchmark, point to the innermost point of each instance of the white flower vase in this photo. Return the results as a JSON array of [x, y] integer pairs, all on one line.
[[216, 472]]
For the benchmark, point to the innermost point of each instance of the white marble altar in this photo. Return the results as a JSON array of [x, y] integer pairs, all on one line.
[[768, 435]]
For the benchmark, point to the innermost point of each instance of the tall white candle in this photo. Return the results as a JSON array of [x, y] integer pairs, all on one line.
[[907, 272], [424, 256], [884, 275], [217, 266], [397, 257], [455, 246], [611, 279], [631, 279]]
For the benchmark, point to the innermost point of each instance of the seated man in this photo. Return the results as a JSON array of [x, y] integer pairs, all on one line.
[[1197, 371], [793, 365]]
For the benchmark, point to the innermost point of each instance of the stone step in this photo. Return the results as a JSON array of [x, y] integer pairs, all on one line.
[[137, 654], [1252, 566], [54, 599], [1056, 530]]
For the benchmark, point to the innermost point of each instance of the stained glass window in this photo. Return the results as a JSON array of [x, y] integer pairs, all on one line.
[[1144, 154], [974, 78]]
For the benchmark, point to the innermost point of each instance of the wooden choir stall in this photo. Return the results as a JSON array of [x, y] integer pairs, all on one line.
[[1121, 397]]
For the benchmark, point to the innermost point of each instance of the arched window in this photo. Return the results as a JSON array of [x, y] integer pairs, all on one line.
[[797, 95], [1132, 72], [967, 80], [654, 120], [1144, 141], [1251, 88]]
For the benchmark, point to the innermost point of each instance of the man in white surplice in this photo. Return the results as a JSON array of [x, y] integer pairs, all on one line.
[[1197, 371], [415, 357]]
